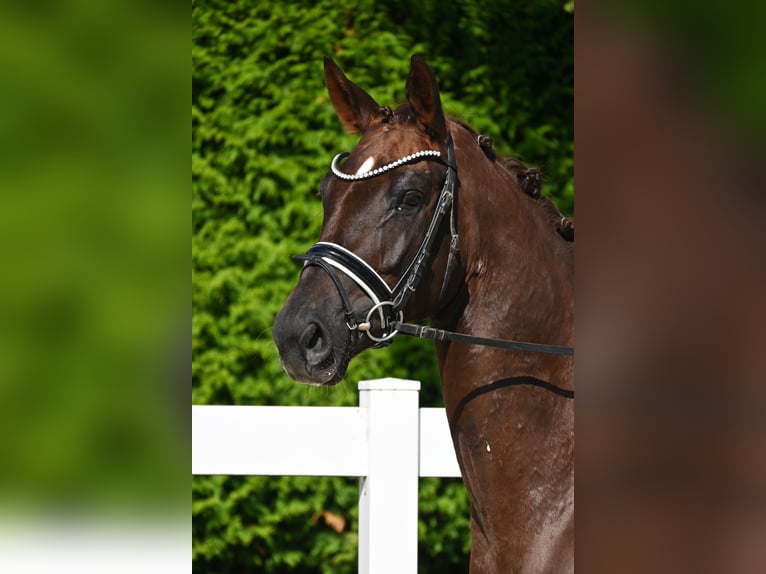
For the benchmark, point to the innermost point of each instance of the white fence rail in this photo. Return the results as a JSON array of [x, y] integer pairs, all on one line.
[[387, 441]]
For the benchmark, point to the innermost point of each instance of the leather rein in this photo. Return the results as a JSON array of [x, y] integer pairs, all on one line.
[[389, 303]]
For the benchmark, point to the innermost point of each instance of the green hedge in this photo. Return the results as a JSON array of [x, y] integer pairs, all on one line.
[[263, 133]]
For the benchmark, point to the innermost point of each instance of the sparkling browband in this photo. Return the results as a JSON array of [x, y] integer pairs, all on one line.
[[372, 173]]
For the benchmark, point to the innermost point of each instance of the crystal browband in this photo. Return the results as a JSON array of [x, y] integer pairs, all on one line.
[[372, 173]]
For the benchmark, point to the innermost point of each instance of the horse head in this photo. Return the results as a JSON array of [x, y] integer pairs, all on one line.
[[379, 204]]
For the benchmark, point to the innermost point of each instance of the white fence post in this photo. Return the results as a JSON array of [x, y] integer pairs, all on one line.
[[388, 495]]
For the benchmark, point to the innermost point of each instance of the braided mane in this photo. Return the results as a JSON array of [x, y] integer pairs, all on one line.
[[530, 179]]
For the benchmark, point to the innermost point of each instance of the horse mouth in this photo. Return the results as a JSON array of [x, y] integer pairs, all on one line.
[[331, 370], [328, 373]]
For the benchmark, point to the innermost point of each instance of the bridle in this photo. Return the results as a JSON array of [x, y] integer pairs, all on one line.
[[389, 303]]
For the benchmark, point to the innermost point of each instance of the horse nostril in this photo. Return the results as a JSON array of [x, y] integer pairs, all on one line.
[[312, 336], [316, 344]]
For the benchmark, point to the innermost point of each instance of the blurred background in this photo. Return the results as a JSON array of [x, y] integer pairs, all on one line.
[[94, 295], [263, 135]]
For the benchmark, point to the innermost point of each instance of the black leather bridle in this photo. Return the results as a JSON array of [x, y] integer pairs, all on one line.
[[389, 303]]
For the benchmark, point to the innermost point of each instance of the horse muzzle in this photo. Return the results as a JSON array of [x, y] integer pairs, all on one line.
[[313, 343], [307, 352]]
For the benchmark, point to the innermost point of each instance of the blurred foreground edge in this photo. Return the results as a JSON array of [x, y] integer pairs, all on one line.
[[671, 417]]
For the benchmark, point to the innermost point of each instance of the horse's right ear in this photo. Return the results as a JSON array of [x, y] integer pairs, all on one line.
[[354, 106]]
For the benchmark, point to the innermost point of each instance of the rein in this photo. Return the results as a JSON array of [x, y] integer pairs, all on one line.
[[332, 257], [441, 335]]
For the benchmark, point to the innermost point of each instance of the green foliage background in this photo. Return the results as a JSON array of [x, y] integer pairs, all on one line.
[[263, 132]]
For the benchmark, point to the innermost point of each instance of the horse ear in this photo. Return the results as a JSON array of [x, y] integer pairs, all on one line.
[[354, 106], [424, 100]]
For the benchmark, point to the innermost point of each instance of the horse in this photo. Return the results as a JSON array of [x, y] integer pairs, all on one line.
[[423, 203]]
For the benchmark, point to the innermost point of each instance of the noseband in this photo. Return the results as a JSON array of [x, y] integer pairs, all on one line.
[[388, 303]]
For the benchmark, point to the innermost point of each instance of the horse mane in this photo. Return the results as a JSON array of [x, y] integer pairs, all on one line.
[[530, 179]]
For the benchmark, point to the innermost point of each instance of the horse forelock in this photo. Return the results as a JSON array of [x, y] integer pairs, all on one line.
[[391, 139]]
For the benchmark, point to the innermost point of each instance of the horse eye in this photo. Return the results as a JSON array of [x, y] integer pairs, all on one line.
[[411, 199]]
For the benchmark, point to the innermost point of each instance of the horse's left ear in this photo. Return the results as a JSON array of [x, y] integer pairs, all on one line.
[[424, 100]]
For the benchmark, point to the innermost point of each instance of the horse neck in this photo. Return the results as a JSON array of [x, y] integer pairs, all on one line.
[[518, 270], [512, 442]]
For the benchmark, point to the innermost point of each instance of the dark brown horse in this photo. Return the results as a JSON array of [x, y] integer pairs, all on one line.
[[423, 221]]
